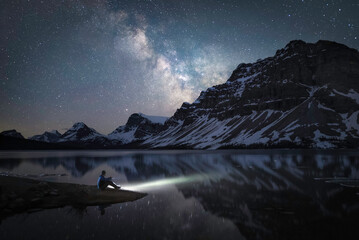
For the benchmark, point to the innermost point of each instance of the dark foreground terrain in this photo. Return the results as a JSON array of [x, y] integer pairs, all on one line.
[[20, 195]]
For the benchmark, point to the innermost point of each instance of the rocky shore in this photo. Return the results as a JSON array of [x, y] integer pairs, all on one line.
[[19, 195]]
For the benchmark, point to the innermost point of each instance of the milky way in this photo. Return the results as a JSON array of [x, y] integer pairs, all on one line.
[[100, 61]]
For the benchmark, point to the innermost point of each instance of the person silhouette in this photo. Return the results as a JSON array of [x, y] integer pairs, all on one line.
[[103, 182]]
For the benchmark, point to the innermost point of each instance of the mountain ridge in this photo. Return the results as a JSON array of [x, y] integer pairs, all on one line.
[[306, 96]]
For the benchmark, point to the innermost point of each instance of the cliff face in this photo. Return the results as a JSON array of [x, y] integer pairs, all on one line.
[[307, 95]]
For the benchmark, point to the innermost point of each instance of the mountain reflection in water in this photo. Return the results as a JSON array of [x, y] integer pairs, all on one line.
[[254, 194]]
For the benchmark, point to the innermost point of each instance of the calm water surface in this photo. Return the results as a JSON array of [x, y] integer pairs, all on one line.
[[251, 194]]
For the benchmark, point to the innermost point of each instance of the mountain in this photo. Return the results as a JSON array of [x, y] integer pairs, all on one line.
[[51, 137], [138, 127], [12, 133], [81, 134], [15, 143], [304, 96]]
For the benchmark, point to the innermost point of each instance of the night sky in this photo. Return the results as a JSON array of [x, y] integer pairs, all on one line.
[[100, 61]]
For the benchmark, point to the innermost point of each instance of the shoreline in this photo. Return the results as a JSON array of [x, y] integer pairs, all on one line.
[[21, 195]]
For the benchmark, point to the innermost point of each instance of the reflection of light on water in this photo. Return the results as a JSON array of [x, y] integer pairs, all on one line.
[[163, 183]]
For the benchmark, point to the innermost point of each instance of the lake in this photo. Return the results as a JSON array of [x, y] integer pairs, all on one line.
[[232, 194]]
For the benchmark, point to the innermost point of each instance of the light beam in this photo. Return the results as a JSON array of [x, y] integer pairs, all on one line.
[[163, 183]]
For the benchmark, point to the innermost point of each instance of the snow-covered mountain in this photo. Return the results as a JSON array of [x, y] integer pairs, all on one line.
[[51, 137], [307, 95], [138, 127], [81, 133], [12, 133]]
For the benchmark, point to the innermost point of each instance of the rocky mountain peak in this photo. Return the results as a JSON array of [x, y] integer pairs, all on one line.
[[310, 50], [80, 131], [12, 133], [295, 44], [134, 120], [79, 125]]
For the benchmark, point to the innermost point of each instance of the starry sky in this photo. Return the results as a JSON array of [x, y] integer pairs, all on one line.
[[100, 61]]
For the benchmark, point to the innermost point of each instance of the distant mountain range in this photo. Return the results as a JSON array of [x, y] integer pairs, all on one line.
[[138, 127], [305, 96]]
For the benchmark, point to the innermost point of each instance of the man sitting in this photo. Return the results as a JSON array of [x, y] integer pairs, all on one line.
[[103, 182]]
